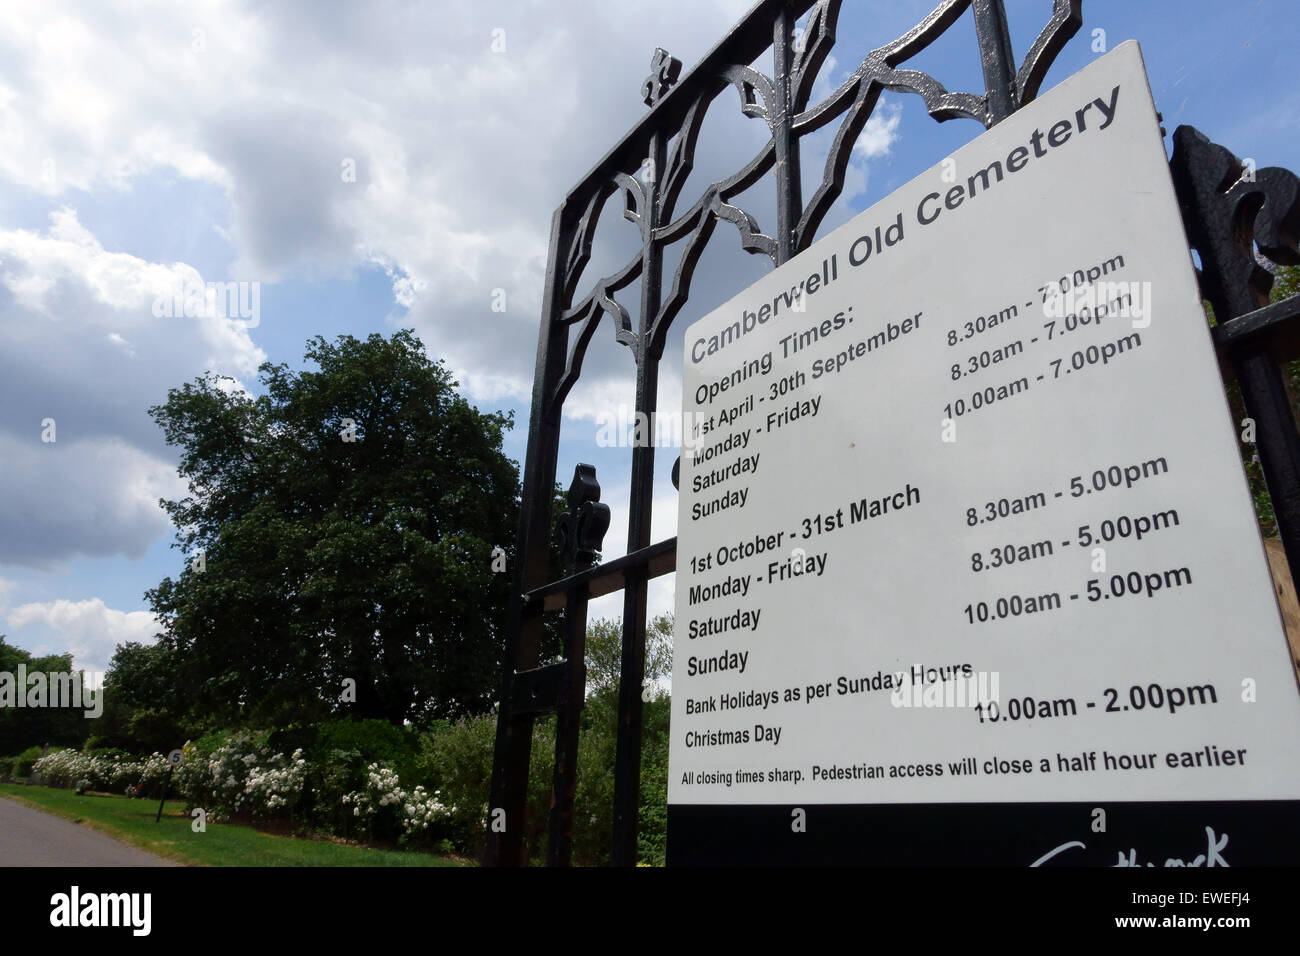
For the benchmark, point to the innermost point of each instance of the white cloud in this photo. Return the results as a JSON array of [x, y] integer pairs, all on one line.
[[96, 497], [36, 265], [88, 629], [460, 153], [80, 344], [460, 156], [879, 135]]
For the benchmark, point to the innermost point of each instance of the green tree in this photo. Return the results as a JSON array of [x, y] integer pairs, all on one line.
[[145, 709], [346, 521], [25, 727], [605, 652]]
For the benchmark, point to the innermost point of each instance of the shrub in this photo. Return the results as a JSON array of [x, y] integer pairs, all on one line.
[[338, 758], [109, 771], [236, 774], [458, 757], [385, 808], [377, 741], [593, 803], [62, 768], [593, 800], [652, 830], [24, 762], [331, 775]]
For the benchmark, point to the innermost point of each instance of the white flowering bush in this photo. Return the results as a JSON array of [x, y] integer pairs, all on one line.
[[423, 809], [277, 787], [346, 778], [382, 790], [385, 807], [242, 776], [106, 772], [60, 768]]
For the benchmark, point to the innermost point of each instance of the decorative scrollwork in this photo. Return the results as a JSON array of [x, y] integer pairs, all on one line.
[[852, 104], [1237, 208], [635, 202], [811, 50], [588, 314], [579, 253], [699, 225], [664, 70], [880, 66], [757, 94], [682, 159], [1067, 18], [581, 529]]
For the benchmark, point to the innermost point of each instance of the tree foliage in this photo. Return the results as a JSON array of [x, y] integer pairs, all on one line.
[[605, 652], [145, 710], [22, 727], [346, 521]]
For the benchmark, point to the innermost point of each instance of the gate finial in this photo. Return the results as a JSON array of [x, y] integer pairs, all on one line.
[[664, 70], [582, 528]]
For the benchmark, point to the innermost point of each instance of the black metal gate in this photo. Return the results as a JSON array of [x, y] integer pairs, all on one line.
[[1227, 209]]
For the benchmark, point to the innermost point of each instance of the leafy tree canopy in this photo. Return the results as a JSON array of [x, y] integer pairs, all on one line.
[[605, 652], [346, 521], [23, 727]]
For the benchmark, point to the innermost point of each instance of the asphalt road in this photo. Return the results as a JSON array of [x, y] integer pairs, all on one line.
[[31, 838]]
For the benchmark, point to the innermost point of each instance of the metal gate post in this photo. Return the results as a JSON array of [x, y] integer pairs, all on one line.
[[1225, 213]]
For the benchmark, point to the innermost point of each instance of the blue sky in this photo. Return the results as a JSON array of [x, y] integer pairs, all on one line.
[[149, 144]]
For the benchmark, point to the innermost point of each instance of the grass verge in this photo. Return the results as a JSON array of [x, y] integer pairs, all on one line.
[[224, 844]]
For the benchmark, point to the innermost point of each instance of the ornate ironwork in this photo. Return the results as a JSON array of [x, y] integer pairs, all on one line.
[[853, 103], [663, 144], [1229, 208], [664, 70], [581, 529]]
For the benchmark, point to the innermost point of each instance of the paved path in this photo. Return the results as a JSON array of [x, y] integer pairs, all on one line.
[[31, 838]]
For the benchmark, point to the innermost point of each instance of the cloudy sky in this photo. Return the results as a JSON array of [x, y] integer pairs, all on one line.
[[369, 167]]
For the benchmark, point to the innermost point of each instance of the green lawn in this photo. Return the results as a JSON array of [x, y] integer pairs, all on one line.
[[132, 821]]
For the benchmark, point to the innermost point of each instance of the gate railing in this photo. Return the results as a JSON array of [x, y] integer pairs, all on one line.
[[1220, 209]]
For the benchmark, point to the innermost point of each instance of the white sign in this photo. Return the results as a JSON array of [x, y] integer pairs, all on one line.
[[964, 518]]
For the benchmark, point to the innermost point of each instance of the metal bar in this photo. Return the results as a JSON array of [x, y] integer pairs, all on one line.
[[1276, 323], [161, 803], [572, 691], [509, 793], [789, 194], [1218, 228], [627, 758], [658, 559], [996, 58], [1267, 402]]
